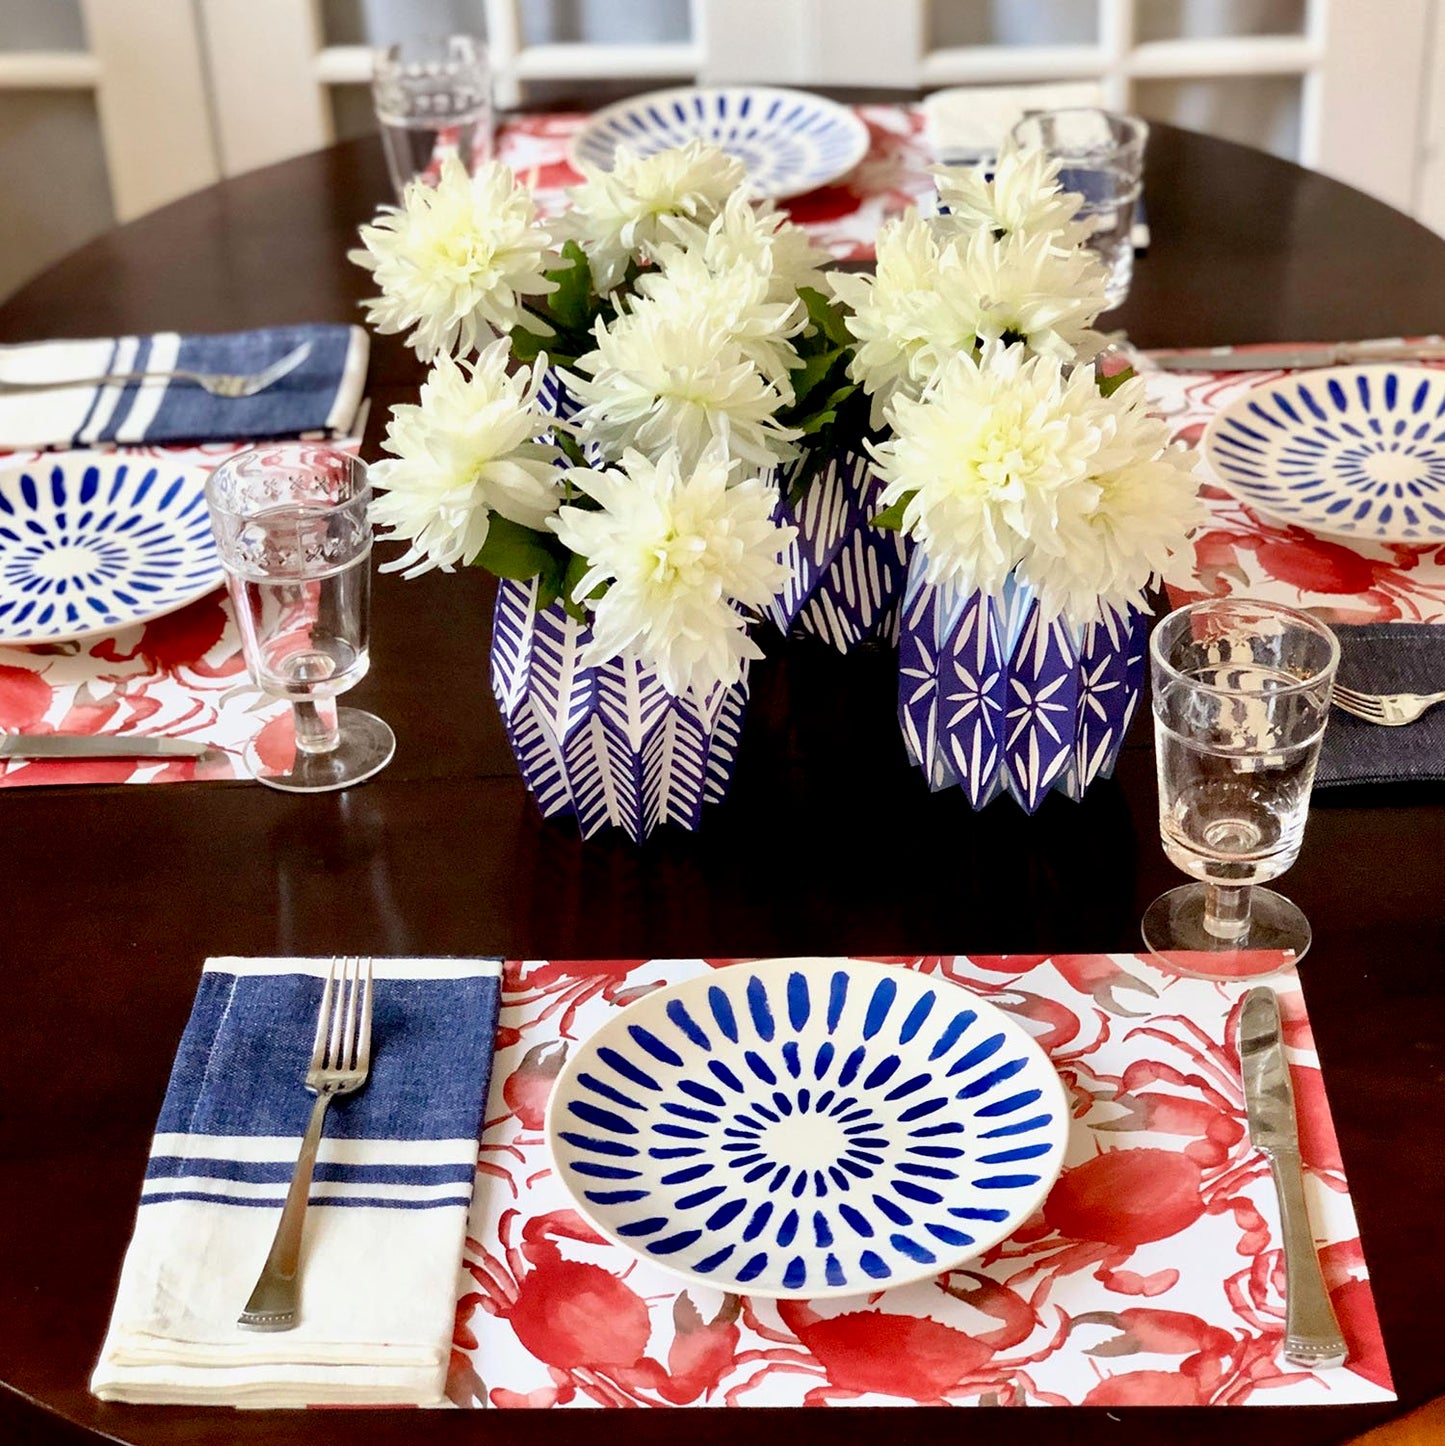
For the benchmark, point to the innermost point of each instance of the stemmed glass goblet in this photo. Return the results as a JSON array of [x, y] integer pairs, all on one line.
[[1241, 699], [290, 522]]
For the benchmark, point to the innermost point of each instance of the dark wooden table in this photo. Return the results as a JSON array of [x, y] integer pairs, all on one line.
[[829, 842]]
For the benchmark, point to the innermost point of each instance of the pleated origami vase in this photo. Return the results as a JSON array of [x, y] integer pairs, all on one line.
[[605, 742], [845, 575], [995, 698]]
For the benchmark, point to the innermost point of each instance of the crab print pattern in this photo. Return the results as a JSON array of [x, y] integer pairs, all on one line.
[[1151, 1275]]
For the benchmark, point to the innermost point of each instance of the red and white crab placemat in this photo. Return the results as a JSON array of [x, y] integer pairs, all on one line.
[[182, 675], [1242, 551], [843, 218], [1152, 1275]]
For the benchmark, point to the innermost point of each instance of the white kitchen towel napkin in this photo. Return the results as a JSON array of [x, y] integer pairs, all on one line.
[[384, 1232], [321, 394]]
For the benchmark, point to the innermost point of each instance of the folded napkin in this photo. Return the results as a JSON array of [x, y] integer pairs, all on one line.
[[966, 124], [322, 394], [389, 1199], [1387, 658]]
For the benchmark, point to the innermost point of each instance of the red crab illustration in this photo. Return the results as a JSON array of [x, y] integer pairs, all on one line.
[[914, 1357], [563, 986], [587, 1325], [1101, 1211]]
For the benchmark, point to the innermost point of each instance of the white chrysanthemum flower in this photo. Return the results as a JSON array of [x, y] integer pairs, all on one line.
[[732, 301], [471, 448], [618, 216], [758, 236], [911, 316], [656, 382], [680, 552], [1010, 464], [1027, 289], [983, 459], [455, 259], [1115, 535], [1019, 194]]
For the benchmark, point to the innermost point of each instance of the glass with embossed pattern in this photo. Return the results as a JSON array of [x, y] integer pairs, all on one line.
[[290, 522]]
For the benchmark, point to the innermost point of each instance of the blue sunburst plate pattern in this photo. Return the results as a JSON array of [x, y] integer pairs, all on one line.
[[94, 542], [1347, 451], [808, 1127], [789, 141]]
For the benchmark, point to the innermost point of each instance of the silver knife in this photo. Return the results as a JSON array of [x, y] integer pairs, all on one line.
[[90, 745], [1311, 1333], [1294, 358]]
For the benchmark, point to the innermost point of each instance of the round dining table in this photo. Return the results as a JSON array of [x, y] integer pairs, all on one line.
[[828, 844]]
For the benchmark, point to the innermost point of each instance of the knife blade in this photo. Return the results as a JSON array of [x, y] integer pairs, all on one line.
[[88, 745], [1296, 358], [1312, 1334]]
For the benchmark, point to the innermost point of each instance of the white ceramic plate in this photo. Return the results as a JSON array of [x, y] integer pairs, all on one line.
[[808, 1127], [1353, 451], [789, 141], [93, 542]]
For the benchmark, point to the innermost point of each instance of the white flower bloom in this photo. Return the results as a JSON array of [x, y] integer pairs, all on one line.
[[984, 458], [658, 381], [618, 216], [1009, 464], [1116, 535], [454, 260], [680, 553], [756, 235], [1027, 289], [471, 448], [911, 316], [1022, 196], [732, 301]]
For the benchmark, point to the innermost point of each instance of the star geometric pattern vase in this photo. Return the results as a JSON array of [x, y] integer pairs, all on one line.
[[845, 575], [995, 698], [607, 742]]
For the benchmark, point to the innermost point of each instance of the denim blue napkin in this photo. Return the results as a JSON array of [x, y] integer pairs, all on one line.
[[389, 1197], [1387, 658], [322, 394]]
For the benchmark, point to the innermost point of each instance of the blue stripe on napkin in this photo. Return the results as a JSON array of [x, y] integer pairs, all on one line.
[[301, 401], [236, 1101]]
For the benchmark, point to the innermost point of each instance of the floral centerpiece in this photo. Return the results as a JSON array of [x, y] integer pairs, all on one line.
[[1041, 497], [683, 423], [621, 483]]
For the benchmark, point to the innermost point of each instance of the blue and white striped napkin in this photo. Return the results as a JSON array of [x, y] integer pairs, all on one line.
[[322, 394], [389, 1199]]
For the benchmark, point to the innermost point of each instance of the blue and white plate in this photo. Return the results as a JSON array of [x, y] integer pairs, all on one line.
[[92, 542], [808, 1127], [789, 141], [1350, 451]]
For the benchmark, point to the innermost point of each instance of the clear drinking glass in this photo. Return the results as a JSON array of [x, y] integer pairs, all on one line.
[[1241, 699], [433, 98], [291, 527], [1103, 160]]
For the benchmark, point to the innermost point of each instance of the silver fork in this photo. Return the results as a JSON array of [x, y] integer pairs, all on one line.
[[219, 384], [340, 1061], [1389, 710]]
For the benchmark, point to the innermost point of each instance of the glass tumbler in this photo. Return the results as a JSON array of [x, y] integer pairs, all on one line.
[[433, 98], [1241, 698], [290, 522], [1102, 158]]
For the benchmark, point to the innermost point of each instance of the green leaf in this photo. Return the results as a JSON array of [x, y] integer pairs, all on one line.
[[1109, 385], [826, 315], [572, 304], [891, 518], [518, 552], [571, 447], [527, 345], [812, 373]]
